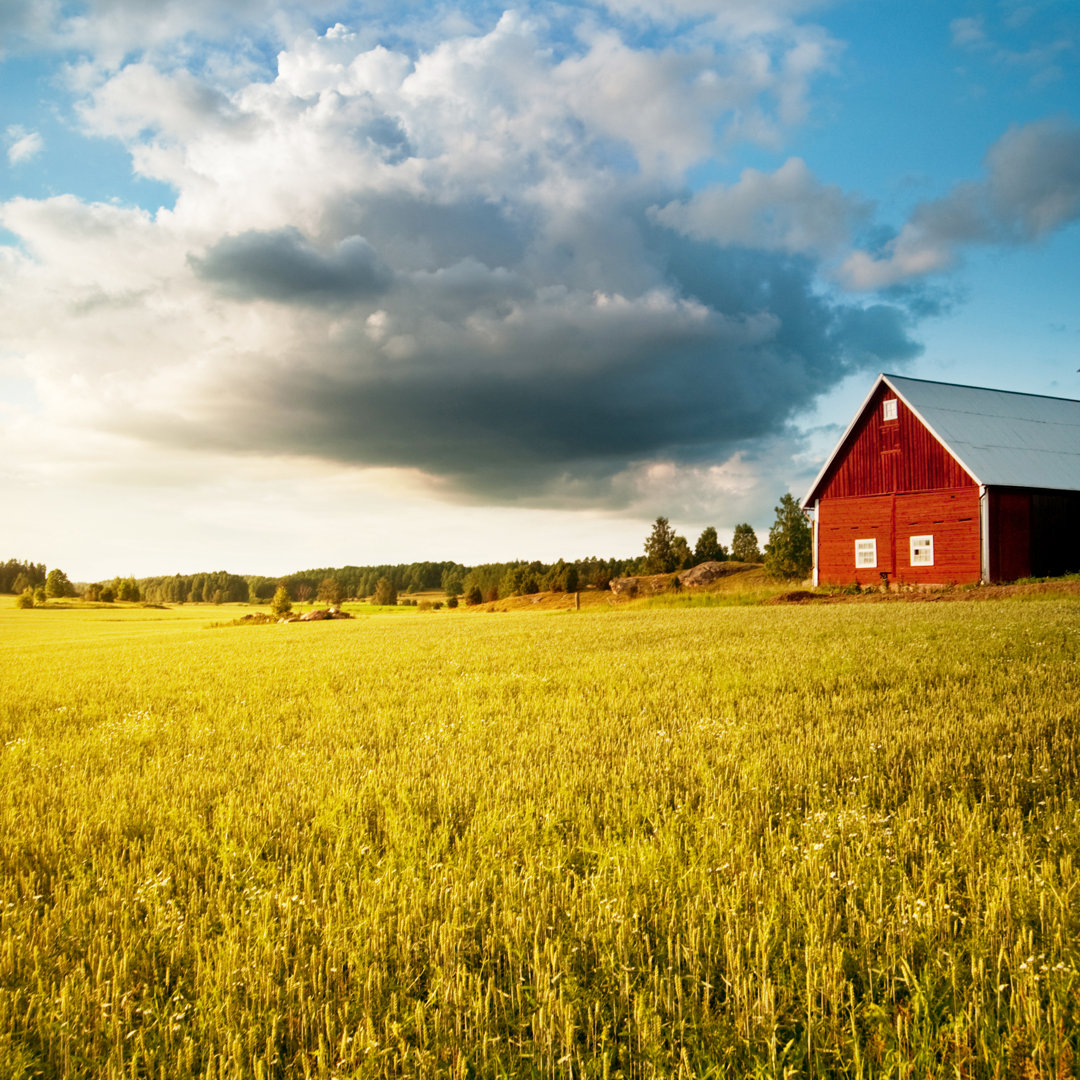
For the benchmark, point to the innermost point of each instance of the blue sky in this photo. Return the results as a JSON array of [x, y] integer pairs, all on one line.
[[299, 284]]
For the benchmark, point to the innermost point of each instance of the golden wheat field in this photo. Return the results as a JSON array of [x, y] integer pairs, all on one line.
[[748, 841]]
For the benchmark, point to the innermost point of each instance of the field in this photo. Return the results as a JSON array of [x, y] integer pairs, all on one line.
[[744, 841]]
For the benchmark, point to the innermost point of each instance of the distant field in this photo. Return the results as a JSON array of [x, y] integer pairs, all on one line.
[[824, 840]]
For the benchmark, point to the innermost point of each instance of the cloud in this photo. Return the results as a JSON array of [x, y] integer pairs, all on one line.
[[788, 210], [438, 255], [23, 145], [1032, 189], [284, 267]]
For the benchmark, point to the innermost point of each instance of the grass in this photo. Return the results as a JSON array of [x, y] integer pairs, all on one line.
[[826, 841]]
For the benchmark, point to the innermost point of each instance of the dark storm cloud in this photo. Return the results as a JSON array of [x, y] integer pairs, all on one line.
[[492, 297], [283, 266], [507, 390]]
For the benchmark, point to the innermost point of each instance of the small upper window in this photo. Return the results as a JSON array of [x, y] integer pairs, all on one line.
[[888, 409], [866, 553], [922, 551]]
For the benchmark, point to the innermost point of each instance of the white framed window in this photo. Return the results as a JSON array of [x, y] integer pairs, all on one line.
[[888, 409], [865, 554], [922, 551]]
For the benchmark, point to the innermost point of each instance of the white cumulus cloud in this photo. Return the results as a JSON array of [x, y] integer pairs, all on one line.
[[23, 145]]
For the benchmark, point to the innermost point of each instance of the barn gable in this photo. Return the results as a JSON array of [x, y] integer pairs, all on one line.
[[993, 437], [880, 455]]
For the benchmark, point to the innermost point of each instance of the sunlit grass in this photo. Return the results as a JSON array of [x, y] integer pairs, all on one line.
[[692, 842]]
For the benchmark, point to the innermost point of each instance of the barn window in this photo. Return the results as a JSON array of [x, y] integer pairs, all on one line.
[[922, 551], [865, 553], [888, 409]]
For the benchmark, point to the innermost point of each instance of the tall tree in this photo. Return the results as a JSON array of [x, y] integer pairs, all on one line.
[[789, 553], [708, 547], [329, 591], [57, 584], [681, 554], [744, 544], [385, 592], [659, 553]]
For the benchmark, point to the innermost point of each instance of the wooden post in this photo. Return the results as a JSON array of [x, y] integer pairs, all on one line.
[[577, 601]]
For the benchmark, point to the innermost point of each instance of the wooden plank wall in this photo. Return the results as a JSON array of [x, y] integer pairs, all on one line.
[[886, 456], [951, 516]]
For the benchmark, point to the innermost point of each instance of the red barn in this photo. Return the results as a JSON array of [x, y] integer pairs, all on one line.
[[934, 483]]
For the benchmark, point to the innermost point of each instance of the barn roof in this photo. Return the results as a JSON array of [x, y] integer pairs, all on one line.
[[1001, 438]]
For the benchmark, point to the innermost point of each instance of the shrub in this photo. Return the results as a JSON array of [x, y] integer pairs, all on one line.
[[281, 604], [25, 599]]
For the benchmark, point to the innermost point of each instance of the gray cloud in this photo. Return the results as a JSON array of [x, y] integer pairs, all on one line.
[[283, 266], [1032, 188], [509, 390], [444, 259]]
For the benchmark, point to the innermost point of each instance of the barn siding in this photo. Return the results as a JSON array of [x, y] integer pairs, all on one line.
[[950, 515], [885, 456]]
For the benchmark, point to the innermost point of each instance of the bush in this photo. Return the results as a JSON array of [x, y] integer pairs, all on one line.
[[281, 604], [25, 600]]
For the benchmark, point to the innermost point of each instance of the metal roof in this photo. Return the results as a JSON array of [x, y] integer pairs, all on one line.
[[1001, 438]]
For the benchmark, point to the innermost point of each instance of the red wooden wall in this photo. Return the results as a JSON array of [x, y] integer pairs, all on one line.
[[893, 480], [885, 456], [951, 517]]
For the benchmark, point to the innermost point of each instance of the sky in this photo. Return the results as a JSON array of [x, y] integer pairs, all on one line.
[[288, 285]]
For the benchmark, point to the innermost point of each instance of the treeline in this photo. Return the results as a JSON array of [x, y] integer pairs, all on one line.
[[665, 552], [17, 577], [488, 581]]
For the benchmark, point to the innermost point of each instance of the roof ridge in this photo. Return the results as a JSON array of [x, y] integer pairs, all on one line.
[[984, 389]]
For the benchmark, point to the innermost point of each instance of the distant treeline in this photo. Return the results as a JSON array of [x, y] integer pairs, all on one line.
[[489, 581]]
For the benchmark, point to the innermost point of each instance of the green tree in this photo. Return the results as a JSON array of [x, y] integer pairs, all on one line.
[[329, 591], [789, 552], [385, 592], [474, 596], [570, 582], [126, 589], [57, 584], [452, 582], [659, 556], [744, 544], [681, 554], [25, 599], [281, 604], [708, 547]]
